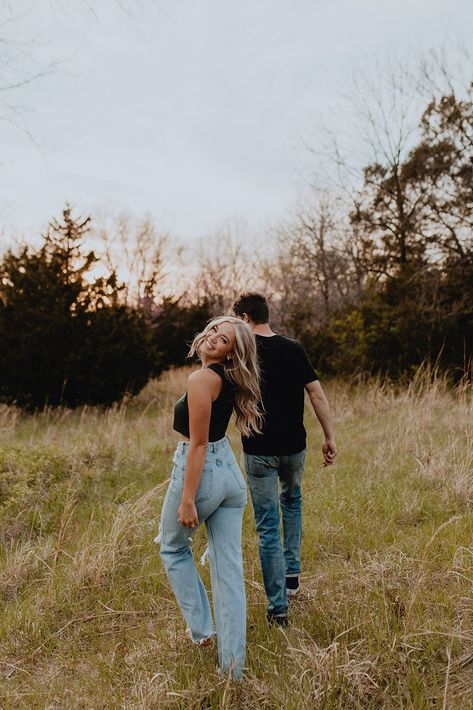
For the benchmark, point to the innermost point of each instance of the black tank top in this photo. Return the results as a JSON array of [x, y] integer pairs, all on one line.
[[222, 409]]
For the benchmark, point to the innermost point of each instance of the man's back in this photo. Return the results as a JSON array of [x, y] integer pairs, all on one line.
[[285, 370]]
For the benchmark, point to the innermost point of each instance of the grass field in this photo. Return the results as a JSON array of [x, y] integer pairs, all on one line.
[[385, 619]]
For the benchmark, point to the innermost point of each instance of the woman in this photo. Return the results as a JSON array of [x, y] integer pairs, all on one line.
[[207, 486]]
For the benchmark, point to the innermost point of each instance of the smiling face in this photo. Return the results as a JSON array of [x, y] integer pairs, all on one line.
[[218, 343]]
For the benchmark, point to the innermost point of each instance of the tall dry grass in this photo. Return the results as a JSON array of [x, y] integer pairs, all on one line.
[[385, 616]]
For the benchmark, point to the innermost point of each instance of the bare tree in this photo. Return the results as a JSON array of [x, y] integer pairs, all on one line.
[[29, 53], [390, 203], [446, 151], [445, 70], [384, 203], [137, 251], [22, 60], [320, 249], [222, 266], [315, 269]]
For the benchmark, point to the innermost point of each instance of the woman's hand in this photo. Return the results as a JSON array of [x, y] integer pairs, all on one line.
[[187, 514]]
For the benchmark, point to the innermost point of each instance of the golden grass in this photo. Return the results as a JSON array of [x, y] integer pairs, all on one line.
[[385, 616]]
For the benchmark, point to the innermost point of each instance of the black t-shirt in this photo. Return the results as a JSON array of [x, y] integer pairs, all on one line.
[[285, 370]]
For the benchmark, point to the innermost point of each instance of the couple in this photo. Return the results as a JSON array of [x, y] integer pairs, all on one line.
[[207, 484]]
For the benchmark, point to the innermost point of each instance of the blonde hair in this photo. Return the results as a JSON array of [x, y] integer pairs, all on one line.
[[242, 370]]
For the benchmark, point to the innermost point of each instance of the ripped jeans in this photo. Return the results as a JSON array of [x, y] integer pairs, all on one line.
[[220, 502]]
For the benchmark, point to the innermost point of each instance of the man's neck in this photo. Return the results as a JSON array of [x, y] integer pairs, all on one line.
[[262, 329]]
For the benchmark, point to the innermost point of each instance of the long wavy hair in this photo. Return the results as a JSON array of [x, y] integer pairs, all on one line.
[[242, 370]]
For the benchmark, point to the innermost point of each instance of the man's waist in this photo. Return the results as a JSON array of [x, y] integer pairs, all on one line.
[[275, 446]]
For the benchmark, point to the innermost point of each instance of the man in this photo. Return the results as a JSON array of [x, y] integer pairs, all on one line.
[[278, 453]]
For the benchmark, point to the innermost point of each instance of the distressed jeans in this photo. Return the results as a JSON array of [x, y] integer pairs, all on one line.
[[264, 473], [220, 502]]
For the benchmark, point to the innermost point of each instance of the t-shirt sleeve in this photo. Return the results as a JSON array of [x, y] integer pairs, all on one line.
[[307, 372]]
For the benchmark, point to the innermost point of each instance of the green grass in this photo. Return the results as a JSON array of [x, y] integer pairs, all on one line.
[[385, 617]]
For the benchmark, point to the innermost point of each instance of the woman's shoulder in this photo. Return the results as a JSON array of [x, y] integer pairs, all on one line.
[[203, 379]]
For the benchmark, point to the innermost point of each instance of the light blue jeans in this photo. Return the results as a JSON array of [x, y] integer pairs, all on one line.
[[264, 473], [220, 502]]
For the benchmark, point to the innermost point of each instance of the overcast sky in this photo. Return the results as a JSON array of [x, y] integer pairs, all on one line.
[[194, 111]]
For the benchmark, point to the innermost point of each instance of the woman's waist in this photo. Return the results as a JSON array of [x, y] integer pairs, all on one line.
[[212, 446]]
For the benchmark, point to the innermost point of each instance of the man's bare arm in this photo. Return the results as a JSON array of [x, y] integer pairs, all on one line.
[[321, 408]]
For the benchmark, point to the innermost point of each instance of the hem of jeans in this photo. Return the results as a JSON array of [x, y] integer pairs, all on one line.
[[293, 574], [230, 674], [199, 643]]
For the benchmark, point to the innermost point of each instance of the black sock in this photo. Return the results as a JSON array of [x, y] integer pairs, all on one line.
[[292, 582]]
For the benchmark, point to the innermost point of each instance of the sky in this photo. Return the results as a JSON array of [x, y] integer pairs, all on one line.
[[196, 112]]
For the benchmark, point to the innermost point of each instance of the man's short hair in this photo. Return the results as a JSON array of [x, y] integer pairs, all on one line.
[[254, 305]]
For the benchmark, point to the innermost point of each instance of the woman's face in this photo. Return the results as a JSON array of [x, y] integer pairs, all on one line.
[[219, 342]]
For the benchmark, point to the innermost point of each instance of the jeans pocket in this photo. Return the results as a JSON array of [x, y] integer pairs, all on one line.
[[235, 469], [204, 491], [261, 466]]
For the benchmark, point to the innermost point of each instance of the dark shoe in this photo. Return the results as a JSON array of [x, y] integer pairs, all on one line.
[[276, 619], [292, 585]]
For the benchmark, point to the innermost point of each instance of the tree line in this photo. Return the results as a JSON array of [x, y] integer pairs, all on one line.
[[374, 274], [70, 338], [388, 276]]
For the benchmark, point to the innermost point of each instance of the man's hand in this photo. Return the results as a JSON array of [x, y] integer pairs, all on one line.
[[187, 514], [322, 412], [329, 450]]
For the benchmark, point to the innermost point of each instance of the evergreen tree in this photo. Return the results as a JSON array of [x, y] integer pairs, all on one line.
[[174, 326], [65, 340]]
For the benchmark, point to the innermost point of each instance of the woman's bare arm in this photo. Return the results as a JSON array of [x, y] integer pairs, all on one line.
[[203, 387]]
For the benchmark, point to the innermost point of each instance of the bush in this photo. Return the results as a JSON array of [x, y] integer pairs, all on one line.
[[175, 326], [65, 339], [423, 316]]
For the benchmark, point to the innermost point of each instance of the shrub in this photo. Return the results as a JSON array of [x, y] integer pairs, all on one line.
[[65, 338]]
